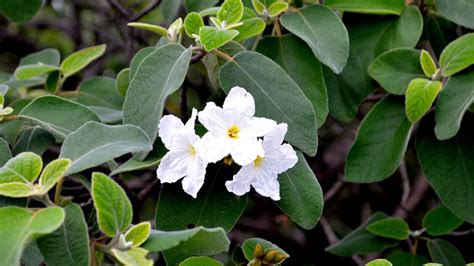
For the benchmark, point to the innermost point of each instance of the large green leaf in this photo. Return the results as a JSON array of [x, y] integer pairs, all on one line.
[[57, 115], [198, 5], [395, 69], [95, 143], [443, 252], [158, 76], [137, 60], [213, 207], [80, 59], [153, 158], [179, 245], [406, 259], [361, 241], [200, 261], [394, 228], [276, 95], [387, 7], [5, 153], [132, 257], [69, 245], [34, 139], [458, 55], [420, 95], [458, 11], [114, 210], [20, 10], [323, 31], [453, 101], [380, 143], [47, 56], [19, 226], [449, 167], [301, 194], [297, 59], [212, 38], [440, 221]]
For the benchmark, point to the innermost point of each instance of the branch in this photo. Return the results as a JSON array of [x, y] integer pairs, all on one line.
[[120, 8], [145, 11], [417, 194], [332, 191]]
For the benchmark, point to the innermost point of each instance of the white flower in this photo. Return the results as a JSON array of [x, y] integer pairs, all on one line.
[[183, 159], [233, 130], [262, 174]]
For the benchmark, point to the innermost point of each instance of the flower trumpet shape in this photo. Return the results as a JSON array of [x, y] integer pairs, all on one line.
[[233, 129], [262, 173], [183, 159]]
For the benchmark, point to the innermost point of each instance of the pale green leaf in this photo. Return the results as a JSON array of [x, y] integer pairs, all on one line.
[[114, 210], [386, 7], [440, 221], [52, 173], [380, 143], [80, 59], [212, 38], [122, 81], [17, 190], [69, 245], [258, 6], [420, 95], [47, 56], [24, 168], [458, 55], [379, 262], [276, 95], [231, 12], [192, 23], [323, 31], [138, 234], [200, 261], [427, 63], [250, 27], [30, 71], [133, 257], [95, 143], [149, 27], [277, 8], [394, 228]]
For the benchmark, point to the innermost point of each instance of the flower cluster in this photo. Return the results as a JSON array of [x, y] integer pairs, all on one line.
[[255, 143]]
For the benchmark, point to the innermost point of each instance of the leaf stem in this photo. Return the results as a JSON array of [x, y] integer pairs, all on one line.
[[276, 28], [10, 118], [223, 55], [57, 193]]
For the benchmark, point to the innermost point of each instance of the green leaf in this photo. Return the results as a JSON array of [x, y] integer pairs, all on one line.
[[5, 153], [53, 172], [213, 207], [407, 259], [17, 190], [57, 115], [137, 60], [361, 241], [151, 160], [35, 139], [133, 257], [277, 8], [276, 95], [231, 12], [379, 262], [250, 27], [138, 234], [158, 76], [458, 55], [47, 56], [387, 7], [458, 11], [395, 69], [23, 226], [440, 221], [380, 143], [301, 194], [20, 10], [32, 255], [10, 129], [297, 59], [53, 82], [23, 168], [453, 158], [149, 27], [212, 38], [258, 6], [100, 91], [114, 210], [122, 81], [420, 95], [453, 101], [249, 246], [323, 31], [443, 252], [95, 143], [169, 9], [192, 23], [80, 59], [427, 63], [30, 71], [68, 245], [200, 261], [394, 228], [198, 5]]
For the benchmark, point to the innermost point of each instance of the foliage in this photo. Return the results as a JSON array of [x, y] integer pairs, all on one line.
[[256, 107]]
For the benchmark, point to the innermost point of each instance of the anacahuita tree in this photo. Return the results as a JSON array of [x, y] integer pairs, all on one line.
[[236, 132]]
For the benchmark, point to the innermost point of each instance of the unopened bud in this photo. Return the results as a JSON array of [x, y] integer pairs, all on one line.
[[270, 256], [279, 258], [258, 252], [228, 160]]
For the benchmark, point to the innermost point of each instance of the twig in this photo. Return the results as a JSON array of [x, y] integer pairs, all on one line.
[[375, 97], [148, 190], [197, 57], [462, 233], [405, 182], [334, 189], [120, 8], [417, 194], [145, 11]]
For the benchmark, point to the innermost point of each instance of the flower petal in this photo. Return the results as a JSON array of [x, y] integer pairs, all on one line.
[[213, 118], [262, 126], [240, 101], [192, 121], [266, 184], [274, 139], [240, 184], [169, 125], [214, 147], [194, 180], [172, 167], [279, 160], [245, 151]]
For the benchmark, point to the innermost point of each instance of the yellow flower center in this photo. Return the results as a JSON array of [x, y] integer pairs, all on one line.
[[192, 150], [258, 161], [233, 132]]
